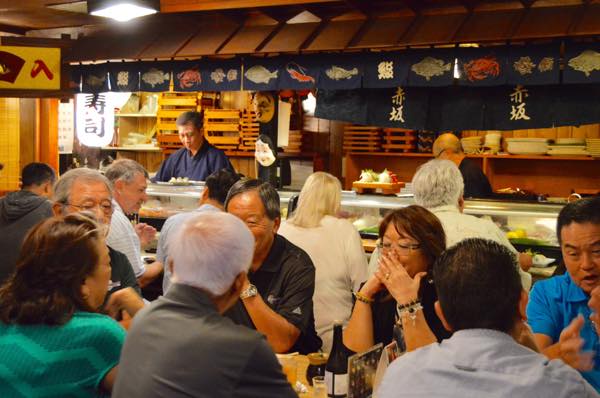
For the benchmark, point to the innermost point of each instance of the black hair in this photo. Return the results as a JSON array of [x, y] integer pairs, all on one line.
[[582, 211], [37, 174], [219, 183], [196, 118], [268, 195], [478, 285]]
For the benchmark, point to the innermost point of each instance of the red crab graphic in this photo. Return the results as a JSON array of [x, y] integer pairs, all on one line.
[[482, 68], [189, 77]]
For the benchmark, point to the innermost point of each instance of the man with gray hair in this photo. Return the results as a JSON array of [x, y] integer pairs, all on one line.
[[198, 158], [86, 190], [128, 181], [438, 186], [277, 295], [181, 345]]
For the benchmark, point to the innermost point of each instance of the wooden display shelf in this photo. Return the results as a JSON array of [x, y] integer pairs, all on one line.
[[556, 176]]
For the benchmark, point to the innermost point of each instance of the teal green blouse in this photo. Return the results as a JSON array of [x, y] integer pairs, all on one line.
[[59, 361]]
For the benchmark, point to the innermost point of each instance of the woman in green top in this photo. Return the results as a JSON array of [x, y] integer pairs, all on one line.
[[53, 342]]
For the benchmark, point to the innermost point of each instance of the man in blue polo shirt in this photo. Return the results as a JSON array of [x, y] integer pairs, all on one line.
[[563, 310], [198, 158]]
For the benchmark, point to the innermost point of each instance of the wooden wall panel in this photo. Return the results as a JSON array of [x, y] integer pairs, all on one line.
[[48, 131], [9, 144]]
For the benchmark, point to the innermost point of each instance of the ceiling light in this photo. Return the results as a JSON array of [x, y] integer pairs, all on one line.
[[123, 10]]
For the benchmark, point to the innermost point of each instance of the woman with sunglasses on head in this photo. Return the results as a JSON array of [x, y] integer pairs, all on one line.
[[53, 341], [401, 291]]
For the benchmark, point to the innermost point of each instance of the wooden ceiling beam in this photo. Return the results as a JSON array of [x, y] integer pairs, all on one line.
[[413, 5], [281, 14], [315, 33], [167, 6], [527, 3], [17, 30], [36, 42], [270, 36], [367, 24]]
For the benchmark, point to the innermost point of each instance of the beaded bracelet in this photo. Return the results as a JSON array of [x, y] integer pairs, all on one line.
[[361, 297], [409, 304]]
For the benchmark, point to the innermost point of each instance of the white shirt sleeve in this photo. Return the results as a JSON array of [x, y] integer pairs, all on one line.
[[122, 237], [356, 260]]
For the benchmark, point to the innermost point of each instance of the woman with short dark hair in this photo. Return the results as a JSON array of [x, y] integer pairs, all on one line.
[[411, 239], [52, 340]]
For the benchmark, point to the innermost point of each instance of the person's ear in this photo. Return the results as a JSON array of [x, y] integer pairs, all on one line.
[[523, 300], [438, 310], [170, 265], [85, 290], [204, 196], [57, 208], [461, 203], [119, 185], [238, 284], [276, 225]]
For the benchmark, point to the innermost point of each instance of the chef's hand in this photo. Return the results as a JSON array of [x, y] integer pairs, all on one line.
[[594, 304], [571, 344], [125, 299], [398, 282], [145, 232]]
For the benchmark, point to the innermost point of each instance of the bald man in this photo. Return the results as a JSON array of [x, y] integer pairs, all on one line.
[[447, 146]]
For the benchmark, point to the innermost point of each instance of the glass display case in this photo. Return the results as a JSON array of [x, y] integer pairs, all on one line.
[[529, 224]]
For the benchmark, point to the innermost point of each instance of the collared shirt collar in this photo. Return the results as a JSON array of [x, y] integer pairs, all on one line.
[[201, 151], [273, 260], [573, 292], [206, 207], [445, 208], [190, 295], [116, 206]]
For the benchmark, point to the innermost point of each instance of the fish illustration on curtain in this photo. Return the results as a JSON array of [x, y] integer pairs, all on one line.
[[259, 74]]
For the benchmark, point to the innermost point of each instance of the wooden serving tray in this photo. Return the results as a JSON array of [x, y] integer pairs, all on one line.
[[376, 187]]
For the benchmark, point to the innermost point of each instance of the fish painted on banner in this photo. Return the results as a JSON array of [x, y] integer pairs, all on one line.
[[586, 62], [232, 75], [259, 74], [299, 73], [95, 81], [430, 67], [482, 68], [338, 73], [190, 77], [217, 75], [546, 64], [524, 66], [155, 77]]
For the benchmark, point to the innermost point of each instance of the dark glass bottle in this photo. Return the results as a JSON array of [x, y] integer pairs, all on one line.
[[336, 370]]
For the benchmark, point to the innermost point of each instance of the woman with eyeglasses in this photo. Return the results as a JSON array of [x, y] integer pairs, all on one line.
[[53, 340], [400, 296]]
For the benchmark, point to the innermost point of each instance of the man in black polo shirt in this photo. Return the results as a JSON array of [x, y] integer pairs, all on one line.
[[277, 295]]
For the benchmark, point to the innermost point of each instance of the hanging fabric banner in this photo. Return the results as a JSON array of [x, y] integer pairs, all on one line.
[[124, 76], [431, 68], [402, 107], [534, 65], [155, 76], [386, 69], [94, 78], [451, 108], [299, 73], [73, 73], [221, 75], [347, 105], [340, 72], [187, 76], [520, 107], [582, 63], [262, 74], [482, 66], [575, 106]]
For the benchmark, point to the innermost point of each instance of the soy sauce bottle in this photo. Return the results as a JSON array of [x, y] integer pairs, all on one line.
[[336, 370]]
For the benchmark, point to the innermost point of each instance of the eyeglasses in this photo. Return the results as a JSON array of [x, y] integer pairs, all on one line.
[[401, 248], [106, 207]]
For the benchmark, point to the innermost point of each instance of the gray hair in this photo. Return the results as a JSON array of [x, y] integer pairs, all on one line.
[[124, 170], [437, 183], [64, 185], [267, 193], [210, 250], [196, 118]]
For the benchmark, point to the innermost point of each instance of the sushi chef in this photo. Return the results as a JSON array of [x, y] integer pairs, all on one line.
[[198, 158]]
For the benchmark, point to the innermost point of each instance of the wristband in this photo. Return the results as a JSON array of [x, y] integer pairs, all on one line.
[[361, 297]]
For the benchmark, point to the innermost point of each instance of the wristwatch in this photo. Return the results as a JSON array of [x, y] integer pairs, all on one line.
[[250, 291]]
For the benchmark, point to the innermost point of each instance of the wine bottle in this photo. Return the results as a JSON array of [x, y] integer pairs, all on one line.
[[336, 370]]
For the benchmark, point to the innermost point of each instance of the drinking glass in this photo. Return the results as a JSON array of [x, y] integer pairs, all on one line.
[[319, 387]]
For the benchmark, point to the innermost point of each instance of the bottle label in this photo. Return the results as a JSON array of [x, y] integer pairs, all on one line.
[[337, 384]]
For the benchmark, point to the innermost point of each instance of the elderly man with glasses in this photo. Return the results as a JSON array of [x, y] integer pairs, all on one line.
[[87, 190]]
